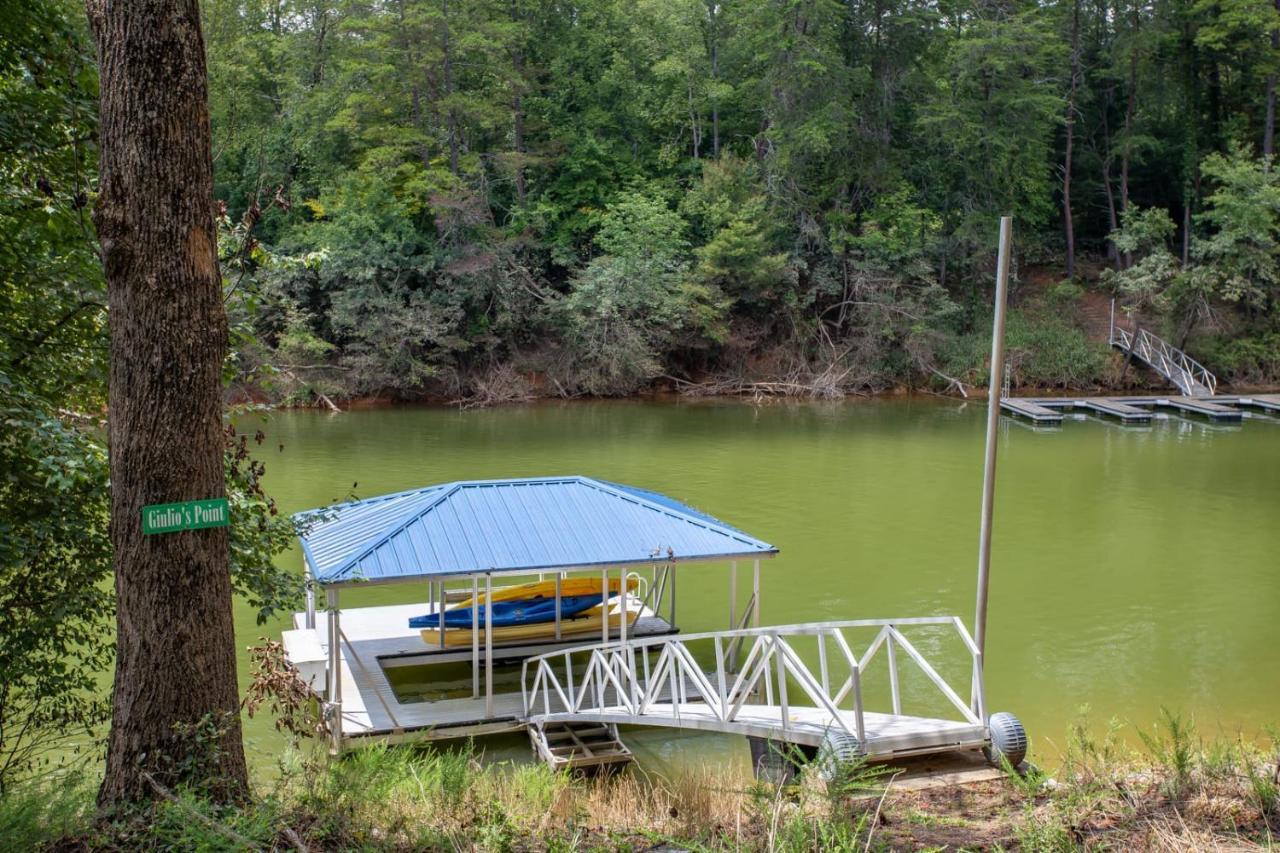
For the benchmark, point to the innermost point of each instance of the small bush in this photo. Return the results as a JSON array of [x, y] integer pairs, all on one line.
[[1174, 746], [1243, 359], [1043, 351], [32, 814]]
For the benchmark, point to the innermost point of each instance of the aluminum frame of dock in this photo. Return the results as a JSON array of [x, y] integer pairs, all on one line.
[[743, 685]]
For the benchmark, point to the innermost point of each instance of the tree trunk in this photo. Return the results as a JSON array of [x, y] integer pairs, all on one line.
[[713, 49], [451, 114], [175, 656], [1131, 106], [517, 125], [1068, 224], [1269, 128], [715, 102], [1130, 109], [1186, 230], [415, 93], [1113, 224]]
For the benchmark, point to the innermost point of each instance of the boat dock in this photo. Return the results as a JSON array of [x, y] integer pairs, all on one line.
[[571, 681], [374, 641], [1141, 409], [1197, 389], [747, 687]]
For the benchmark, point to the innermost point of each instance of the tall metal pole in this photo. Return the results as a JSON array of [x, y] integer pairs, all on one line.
[[993, 423]]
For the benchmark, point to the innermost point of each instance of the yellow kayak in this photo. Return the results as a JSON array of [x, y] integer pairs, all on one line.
[[547, 589], [588, 623]]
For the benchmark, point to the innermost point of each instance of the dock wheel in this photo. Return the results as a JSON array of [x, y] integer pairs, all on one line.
[[1008, 740]]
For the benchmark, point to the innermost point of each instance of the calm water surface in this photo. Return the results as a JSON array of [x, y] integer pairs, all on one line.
[[1132, 568]]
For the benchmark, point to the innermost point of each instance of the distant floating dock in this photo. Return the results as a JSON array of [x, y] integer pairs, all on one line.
[[1220, 407]]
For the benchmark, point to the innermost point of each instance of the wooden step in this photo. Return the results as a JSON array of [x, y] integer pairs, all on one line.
[[576, 746]]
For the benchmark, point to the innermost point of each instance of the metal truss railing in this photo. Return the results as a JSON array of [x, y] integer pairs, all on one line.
[[1190, 376], [645, 681]]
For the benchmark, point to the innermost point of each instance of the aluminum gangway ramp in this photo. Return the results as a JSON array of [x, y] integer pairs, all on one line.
[[763, 683], [1181, 370]]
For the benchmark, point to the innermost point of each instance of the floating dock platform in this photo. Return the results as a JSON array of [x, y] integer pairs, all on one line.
[[1141, 409], [375, 640]]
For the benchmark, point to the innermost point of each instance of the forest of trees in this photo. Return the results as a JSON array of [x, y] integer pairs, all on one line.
[[492, 198]]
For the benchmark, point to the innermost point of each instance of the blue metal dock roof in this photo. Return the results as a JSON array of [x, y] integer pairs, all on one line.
[[536, 524]]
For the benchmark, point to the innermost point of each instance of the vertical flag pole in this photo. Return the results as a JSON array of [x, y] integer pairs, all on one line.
[[993, 422]]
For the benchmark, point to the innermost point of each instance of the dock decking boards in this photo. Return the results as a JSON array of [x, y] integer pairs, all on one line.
[[374, 640], [1205, 406], [1138, 409], [1115, 408], [1266, 402], [886, 733], [377, 638], [1030, 409]]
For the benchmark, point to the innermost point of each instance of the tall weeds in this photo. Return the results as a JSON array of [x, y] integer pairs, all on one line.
[[1179, 790]]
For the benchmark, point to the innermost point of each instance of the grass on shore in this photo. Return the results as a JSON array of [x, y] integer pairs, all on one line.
[[1177, 793]]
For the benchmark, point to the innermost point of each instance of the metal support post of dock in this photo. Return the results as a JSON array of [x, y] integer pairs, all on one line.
[[733, 594], [335, 670], [310, 592], [488, 645], [440, 609], [622, 604], [475, 637], [755, 594], [604, 605], [559, 578]]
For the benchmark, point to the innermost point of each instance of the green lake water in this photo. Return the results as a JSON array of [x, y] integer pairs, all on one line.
[[1132, 568]]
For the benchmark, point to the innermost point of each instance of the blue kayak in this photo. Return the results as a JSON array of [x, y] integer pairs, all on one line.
[[520, 611]]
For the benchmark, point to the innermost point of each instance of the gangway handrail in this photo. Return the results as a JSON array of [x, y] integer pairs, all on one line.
[[621, 680], [1169, 361]]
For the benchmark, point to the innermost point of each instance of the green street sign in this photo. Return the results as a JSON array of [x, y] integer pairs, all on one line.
[[189, 515]]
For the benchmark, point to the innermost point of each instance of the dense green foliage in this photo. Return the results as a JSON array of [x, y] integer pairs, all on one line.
[[55, 555], [56, 602], [594, 194]]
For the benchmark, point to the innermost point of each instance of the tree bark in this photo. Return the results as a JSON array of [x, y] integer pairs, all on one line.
[[1125, 152], [1068, 223], [175, 656], [1113, 224], [1269, 128], [1186, 229], [451, 113], [713, 11], [517, 124], [1130, 108]]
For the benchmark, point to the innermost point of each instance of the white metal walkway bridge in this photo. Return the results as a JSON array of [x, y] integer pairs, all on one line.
[[761, 682], [1189, 376]]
